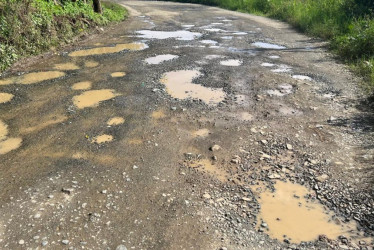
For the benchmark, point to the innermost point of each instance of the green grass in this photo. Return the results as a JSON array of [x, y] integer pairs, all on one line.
[[347, 24], [29, 27]]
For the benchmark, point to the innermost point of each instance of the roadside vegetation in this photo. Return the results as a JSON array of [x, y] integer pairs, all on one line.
[[29, 27], [347, 24]]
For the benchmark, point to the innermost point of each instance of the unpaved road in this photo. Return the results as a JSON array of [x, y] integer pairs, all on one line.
[[186, 127]]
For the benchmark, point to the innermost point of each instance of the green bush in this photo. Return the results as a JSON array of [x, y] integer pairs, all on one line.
[[29, 27]]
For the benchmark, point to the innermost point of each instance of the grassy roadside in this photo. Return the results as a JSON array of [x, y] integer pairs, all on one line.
[[347, 24], [29, 27]]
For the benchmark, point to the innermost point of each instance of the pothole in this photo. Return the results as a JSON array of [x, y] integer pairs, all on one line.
[[92, 98], [179, 85], [263, 45], [160, 59], [290, 214], [32, 78], [183, 35], [117, 74], [232, 63], [102, 139], [66, 66], [115, 121], [109, 50], [82, 85], [5, 97]]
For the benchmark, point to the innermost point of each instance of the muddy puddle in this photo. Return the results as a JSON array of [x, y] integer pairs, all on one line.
[[212, 57], [282, 69], [282, 90], [302, 77], [109, 50], [5, 97], [7, 144], [231, 62], [263, 45], [82, 85], [102, 139], [117, 74], [115, 121], [267, 64], [179, 85], [66, 66], [183, 35], [290, 215], [91, 64], [160, 59], [92, 98], [205, 166], [32, 78], [209, 42]]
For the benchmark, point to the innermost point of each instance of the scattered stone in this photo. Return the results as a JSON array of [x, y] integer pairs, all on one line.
[[264, 142], [274, 176], [322, 177], [215, 147], [206, 196], [21, 242], [135, 167], [37, 216], [236, 159], [104, 191], [289, 146], [44, 243], [65, 242], [173, 108], [67, 190], [121, 247]]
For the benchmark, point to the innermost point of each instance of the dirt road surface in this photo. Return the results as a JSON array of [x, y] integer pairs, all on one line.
[[186, 127]]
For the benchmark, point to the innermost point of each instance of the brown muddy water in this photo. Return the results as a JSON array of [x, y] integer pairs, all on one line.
[[118, 74], [102, 139], [92, 98], [66, 66], [7, 144], [109, 50], [115, 121], [32, 78], [82, 85], [5, 97], [290, 215], [179, 85]]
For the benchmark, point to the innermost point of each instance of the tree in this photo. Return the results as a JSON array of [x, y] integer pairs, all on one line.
[[97, 6]]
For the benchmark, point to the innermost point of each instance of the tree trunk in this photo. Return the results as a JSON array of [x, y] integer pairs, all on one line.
[[97, 6]]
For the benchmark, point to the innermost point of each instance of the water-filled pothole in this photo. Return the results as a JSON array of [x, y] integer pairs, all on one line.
[[82, 85], [92, 98], [183, 35], [289, 214], [263, 45], [5, 97], [32, 78], [160, 59], [179, 85], [109, 50]]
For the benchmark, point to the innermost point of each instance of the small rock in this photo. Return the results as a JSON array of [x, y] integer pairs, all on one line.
[[121, 247], [173, 108], [37, 216], [21, 242], [135, 167], [289, 146], [65, 242], [264, 142], [67, 190], [322, 177], [215, 147], [274, 176], [206, 196], [44, 243], [104, 191]]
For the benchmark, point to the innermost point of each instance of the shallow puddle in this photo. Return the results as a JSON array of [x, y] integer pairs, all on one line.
[[263, 45], [82, 85], [302, 77], [3, 130], [208, 42], [91, 64], [158, 114], [160, 58], [213, 30], [9, 144], [102, 139], [109, 50], [92, 98], [183, 35], [135, 141], [188, 25], [227, 37], [5, 97], [206, 166], [115, 121], [204, 132], [66, 66], [240, 33], [34, 77], [179, 85], [282, 69], [274, 57], [232, 62], [212, 57], [289, 215], [267, 64], [118, 74]]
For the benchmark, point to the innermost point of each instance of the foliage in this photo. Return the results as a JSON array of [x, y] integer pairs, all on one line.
[[348, 24], [28, 27]]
